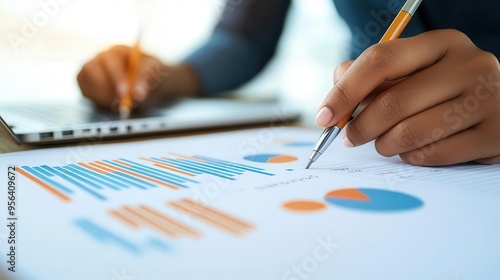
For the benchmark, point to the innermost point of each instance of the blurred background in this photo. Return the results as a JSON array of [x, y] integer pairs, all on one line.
[[44, 43]]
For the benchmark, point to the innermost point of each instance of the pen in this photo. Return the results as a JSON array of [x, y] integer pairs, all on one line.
[[126, 102], [398, 24]]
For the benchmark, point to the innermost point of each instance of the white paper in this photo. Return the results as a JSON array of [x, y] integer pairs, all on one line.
[[440, 223]]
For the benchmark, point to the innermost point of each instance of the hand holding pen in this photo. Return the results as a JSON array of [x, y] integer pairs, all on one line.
[[331, 132], [106, 79], [123, 78], [432, 99]]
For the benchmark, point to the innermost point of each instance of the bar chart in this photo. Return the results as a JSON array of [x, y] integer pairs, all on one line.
[[95, 178], [144, 216], [166, 226]]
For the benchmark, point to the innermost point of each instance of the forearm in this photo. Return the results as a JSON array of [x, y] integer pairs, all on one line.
[[225, 62], [242, 43]]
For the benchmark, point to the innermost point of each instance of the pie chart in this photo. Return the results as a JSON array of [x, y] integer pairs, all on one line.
[[367, 199], [271, 158]]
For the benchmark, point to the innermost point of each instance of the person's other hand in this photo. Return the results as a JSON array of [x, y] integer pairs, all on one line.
[[104, 79], [434, 99]]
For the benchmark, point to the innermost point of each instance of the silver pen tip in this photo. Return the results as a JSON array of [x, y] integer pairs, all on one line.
[[309, 164]]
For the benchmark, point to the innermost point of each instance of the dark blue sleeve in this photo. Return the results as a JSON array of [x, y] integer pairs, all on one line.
[[243, 41]]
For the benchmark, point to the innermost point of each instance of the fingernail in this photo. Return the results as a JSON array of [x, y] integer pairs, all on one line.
[[122, 88], [324, 116], [346, 141], [139, 93]]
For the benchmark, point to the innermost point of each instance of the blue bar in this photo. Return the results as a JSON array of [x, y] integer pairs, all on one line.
[[47, 180], [152, 174], [237, 170], [245, 167], [230, 172], [104, 177], [158, 244], [180, 164], [84, 179], [226, 165], [206, 168], [140, 171], [169, 173], [163, 179], [86, 173], [170, 176], [104, 235], [229, 163], [184, 167], [156, 176], [168, 161], [60, 172], [43, 171], [136, 182]]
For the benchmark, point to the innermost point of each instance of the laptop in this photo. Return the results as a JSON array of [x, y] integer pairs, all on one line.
[[79, 120]]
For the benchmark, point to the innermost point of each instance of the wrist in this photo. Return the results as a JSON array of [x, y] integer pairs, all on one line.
[[181, 81]]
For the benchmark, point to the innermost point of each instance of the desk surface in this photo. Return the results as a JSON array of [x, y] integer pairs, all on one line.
[[8, 146]]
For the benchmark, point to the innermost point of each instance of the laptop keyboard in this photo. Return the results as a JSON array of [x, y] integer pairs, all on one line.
[[60, 115]]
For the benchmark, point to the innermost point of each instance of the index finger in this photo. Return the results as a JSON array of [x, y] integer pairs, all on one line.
[[382, 62]]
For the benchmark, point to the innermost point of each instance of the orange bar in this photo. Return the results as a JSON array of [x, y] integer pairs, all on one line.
[[219, 214], [168, 167], [203, 217], [97, 165], [44, 185], [139, 175], [95, 169], [154, 225], [187, 157], [148, 159], [122, 163], [123, 218], [184, 228]]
